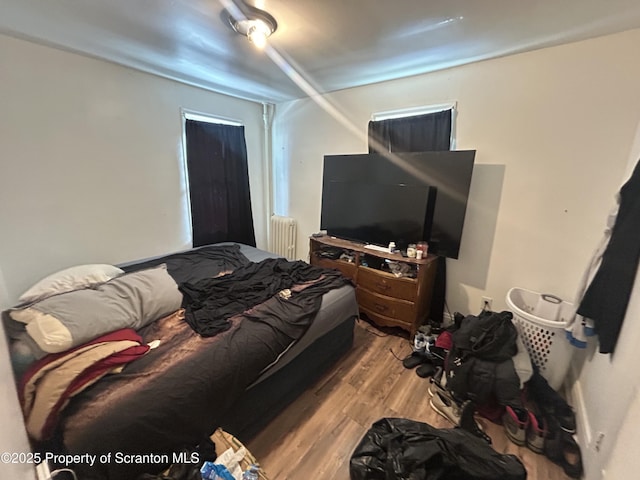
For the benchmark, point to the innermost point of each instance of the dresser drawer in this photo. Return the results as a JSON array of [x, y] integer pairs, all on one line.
[[387, 306], [386, 284], [347, 269], [383, 321]]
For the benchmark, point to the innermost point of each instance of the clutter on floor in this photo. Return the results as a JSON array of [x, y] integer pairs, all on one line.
[[235, 457], [397, 448], [482, 364], [426, 354], [220, 457]]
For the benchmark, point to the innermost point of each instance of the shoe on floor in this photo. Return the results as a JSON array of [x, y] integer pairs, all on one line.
[[551, 402], [515, 421], [420, 342], [561, 448], [446, 406], [426, 370], [536, 433], [571, 458], [469, 423], [436, 384], [413, 360], [567, 418]]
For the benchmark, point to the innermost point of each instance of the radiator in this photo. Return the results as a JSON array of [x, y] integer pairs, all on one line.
[[283, 236]]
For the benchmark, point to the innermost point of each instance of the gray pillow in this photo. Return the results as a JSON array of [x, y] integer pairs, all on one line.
[[70, 319]]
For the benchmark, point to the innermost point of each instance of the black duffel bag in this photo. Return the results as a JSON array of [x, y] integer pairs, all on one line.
[[401, 449]]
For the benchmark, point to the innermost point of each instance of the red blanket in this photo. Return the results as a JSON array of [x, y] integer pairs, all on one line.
[[49, 384]]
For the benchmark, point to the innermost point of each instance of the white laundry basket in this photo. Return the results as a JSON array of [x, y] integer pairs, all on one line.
[[544, 338]]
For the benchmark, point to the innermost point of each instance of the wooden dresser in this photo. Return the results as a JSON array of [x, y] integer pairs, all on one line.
[[386, 299]]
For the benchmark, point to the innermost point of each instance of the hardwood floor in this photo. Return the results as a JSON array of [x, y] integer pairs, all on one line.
[[316, 435]]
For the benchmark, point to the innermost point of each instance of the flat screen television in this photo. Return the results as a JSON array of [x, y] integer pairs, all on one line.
[[399, 197]]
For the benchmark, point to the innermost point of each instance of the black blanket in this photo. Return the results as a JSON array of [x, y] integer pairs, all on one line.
[[198, 264], [209, 303]]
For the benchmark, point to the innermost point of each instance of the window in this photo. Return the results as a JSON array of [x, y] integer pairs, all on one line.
[[418, 129], [218, 180]]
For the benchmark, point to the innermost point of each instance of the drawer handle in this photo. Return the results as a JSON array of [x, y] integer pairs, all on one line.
[[381, 308], [383, 286]]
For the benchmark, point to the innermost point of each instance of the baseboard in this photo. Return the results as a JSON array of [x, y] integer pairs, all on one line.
[[576, 399]]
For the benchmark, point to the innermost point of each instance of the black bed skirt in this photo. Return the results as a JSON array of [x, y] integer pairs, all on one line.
[[264, 401]]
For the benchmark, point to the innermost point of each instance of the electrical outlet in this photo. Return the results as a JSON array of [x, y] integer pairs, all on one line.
[[487, 303], [43, 472]]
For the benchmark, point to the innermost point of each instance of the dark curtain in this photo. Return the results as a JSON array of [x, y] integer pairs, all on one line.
[[218, 183], [419, 133]]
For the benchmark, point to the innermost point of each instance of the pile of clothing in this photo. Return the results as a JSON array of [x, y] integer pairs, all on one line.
[[481, 359], [398, 449]]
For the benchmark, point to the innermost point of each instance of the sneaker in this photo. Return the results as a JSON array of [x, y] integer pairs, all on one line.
[[425, 329], [567, 417], [550, 402], [536, 433], [420, 343], [446, 406], [515, 421], [437, 383]]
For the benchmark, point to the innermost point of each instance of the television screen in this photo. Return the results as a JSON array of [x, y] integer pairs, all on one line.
[[400, 197], [372, 212]]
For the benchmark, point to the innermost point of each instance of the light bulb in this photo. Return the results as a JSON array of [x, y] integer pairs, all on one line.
[[258, 33]]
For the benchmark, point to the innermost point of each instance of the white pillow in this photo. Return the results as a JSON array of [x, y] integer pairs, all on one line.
[[132, 300], [74, 278]]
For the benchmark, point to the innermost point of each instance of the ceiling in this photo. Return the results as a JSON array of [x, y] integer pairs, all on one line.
[[319, 46]]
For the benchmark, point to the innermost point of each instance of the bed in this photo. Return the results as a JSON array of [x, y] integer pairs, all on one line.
[[274, 344]]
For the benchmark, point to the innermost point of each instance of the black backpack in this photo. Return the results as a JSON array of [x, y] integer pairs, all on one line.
[[479, 345]]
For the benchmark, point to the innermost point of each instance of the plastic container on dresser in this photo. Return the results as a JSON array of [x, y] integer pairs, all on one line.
[[386, 299]]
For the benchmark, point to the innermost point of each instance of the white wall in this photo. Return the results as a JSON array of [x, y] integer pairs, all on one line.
[[553, 129], [625, 461], [606, 387], [13, 436], [91, 167]]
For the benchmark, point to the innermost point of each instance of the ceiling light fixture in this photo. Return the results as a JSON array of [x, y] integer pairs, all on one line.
[[257, 25]]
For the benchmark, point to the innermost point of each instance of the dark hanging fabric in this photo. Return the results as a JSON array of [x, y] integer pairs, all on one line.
[[607, 297], [436, 310], [419, 133], [218, 184]]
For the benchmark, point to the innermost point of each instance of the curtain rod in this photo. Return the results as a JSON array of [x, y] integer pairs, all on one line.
[[208, 117], [413, 111]]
